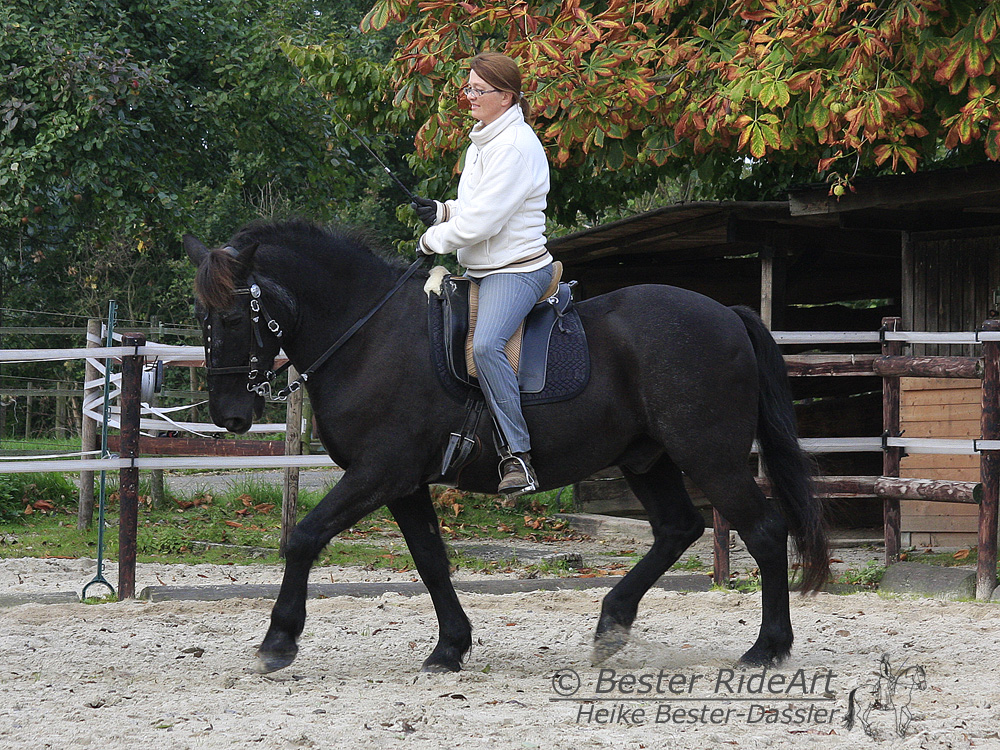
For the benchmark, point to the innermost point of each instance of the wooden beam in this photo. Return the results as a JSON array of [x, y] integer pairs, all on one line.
[[929, 489], [165, 446], [896, 191], [810, 365], [941, 491], [929, 367]]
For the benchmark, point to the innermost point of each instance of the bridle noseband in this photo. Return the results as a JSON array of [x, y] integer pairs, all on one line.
[[256, 311]]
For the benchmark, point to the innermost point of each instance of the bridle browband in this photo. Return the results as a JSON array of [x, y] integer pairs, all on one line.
[[257, 311]]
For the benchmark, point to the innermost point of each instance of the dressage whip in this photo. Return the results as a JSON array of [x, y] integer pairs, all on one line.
[[355, 133]]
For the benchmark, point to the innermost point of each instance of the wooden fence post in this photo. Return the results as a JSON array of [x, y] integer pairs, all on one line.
[[128, 491], [989, 467], [720, 549], [293, 447], [28, 406], [89, 436], [891, 456]]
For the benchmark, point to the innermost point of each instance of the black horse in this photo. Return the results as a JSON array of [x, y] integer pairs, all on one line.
[[679, 384]]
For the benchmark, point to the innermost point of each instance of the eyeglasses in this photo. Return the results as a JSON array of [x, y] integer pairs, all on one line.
[[474, 93]]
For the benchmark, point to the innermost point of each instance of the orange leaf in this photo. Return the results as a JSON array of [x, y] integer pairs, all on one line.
[[825, 164], [234, 524]]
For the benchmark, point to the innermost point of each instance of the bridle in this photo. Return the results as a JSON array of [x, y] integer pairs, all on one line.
[[256, 311]]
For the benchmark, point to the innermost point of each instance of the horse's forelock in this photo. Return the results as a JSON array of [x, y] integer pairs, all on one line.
[[216, 280]]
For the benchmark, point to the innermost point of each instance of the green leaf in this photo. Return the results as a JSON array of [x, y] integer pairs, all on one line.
[[377, 18]]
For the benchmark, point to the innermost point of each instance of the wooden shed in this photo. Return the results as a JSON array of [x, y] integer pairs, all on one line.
[[924, 247]]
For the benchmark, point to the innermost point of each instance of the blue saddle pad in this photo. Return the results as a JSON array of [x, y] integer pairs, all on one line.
[[555, 359]]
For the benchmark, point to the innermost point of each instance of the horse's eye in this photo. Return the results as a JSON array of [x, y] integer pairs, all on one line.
[[231, 320]]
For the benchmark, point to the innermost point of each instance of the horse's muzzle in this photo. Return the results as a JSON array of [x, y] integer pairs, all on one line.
[[237, 425]]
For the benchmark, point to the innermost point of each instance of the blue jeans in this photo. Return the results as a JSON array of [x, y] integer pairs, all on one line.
[[505, 299]]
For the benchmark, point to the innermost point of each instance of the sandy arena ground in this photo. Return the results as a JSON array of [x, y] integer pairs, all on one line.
[[175, 675]]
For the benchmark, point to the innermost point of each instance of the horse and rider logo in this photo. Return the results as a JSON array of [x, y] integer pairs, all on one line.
[[891, 692]]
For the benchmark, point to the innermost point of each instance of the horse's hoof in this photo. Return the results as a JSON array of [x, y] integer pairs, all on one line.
[[440, 664], [609, 642], [272, 661], [758, 656], [439, 668]]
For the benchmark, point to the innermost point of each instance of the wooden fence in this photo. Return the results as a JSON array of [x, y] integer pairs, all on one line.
[[891, 364]]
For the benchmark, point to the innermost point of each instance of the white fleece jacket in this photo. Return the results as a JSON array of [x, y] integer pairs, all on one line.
[[498, 221]]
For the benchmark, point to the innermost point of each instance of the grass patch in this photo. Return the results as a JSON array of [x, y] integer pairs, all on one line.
[[693, 562], [969, 556], [870, 575], [38, 519], [106, 599]]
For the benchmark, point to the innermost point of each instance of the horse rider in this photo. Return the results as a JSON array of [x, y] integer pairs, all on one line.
[[496, 227]]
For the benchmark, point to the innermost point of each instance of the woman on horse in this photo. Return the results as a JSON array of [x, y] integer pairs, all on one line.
[[496, 227]]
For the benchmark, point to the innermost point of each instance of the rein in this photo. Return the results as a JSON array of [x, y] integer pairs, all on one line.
[[257, 310]]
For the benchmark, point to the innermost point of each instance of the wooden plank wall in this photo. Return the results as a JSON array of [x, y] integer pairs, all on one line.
[[940, 408], [949, 281], [950, 287]]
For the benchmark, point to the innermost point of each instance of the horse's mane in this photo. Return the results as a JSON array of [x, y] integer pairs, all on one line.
[[215, 282]]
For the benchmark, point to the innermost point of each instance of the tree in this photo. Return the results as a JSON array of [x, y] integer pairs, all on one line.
[[754, 94], [125, 124]]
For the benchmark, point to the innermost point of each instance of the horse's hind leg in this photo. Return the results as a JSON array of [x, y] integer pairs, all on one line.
[[676, 525], [419, 525], [764, 531]]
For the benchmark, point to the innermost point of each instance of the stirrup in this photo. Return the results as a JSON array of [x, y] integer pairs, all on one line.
[[522, 481]]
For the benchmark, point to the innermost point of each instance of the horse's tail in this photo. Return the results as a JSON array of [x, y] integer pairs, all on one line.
[[849, 719], [785, 463]]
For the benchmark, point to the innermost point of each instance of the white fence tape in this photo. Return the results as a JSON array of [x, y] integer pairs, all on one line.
[[16, 465], [168, 462], [196, 354], [870, 337]]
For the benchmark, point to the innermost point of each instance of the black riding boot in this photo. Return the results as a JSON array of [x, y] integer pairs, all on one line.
[[516, 475]]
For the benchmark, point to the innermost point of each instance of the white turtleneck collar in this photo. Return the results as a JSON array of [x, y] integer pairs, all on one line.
[[483, 134]]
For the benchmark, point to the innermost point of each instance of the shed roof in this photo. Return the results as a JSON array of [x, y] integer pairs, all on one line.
[[838, 249]]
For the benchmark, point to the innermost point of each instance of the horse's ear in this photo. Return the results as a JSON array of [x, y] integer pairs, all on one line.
[[196, 249], [245, 259]]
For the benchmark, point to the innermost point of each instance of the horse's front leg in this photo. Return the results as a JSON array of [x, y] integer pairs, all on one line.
[[350, 500], [419, 524]]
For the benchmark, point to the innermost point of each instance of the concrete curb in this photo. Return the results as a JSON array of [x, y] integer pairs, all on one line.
[[639, 530], [929, 580], [54, 597], [372, 590], [603, 527]]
